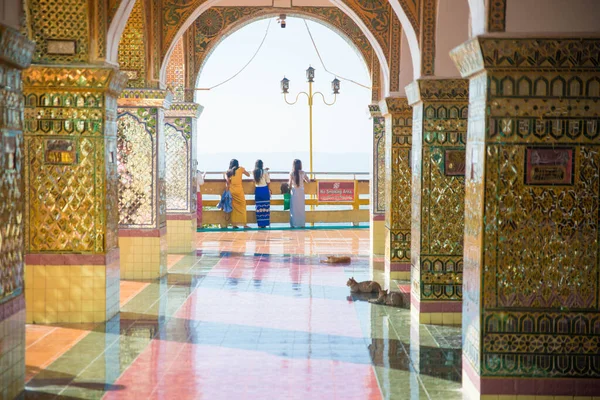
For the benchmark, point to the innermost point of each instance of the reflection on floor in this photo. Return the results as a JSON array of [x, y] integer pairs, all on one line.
[[250, 315]]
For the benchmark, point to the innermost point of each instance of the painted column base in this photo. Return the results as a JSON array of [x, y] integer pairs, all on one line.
[[12, 356], [143, 253], [436, 312], [395, 244], [377, 234], [71, 288], [181, 233], [476, 387]]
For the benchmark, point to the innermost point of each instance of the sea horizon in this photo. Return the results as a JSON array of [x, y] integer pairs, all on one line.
[[282, 161]]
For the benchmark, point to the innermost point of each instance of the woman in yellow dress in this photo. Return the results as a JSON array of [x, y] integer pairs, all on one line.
[[234, 184]]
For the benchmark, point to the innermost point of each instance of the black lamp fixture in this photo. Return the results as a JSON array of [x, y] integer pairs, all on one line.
[[285, 85], [335, 86], [310, 74]]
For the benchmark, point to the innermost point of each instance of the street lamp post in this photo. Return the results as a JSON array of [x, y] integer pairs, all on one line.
[[310, 76]]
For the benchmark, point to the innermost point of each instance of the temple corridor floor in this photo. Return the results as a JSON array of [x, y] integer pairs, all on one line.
[[251, 315]]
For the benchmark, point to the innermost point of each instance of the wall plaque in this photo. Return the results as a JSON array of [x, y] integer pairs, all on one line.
[[61, 151], [61, 47], [455, 162], [548, 166]]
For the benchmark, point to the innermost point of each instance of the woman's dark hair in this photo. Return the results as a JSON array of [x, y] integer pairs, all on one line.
[[296, 168], [233, 166], [258, 170]]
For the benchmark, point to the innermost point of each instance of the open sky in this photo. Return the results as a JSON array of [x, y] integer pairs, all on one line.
[[249, 115]]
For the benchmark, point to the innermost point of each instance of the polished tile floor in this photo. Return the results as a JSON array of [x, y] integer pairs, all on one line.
[[250, 315]]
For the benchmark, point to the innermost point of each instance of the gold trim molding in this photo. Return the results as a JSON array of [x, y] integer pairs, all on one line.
[[74, 78], [146, 98], [193, 110], [395, 105], [512, 54], [437, 90]]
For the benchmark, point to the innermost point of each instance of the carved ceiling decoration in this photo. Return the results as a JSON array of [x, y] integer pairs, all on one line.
[[376, 14], [497, 16]]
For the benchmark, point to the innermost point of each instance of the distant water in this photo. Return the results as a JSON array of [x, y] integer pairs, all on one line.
[[322, 162]]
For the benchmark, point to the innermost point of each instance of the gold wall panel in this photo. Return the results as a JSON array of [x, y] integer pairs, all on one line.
[[59, 20], [398, 143], [137, 158], [439, 131], [378, 181], [15, 55], [531, 264], [178, 164], [176, 72], [181, 159], [71, 207], [141, 142], [132, 48]]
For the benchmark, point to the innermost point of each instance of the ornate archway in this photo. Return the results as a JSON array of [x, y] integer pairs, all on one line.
[[195, 47]]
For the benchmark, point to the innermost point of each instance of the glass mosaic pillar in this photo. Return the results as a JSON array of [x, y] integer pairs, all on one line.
[[531, 316], [398, 140], [440, 108], [71, 193], [15, 55], [142, 191], [181, 163], [378, 183]]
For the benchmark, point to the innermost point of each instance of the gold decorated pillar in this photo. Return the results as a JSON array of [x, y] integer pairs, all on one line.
[[15, 55], [71, 193], [398, 139], [181, 163], [440, 108], [531, 278], [378, 183], [142, 192]]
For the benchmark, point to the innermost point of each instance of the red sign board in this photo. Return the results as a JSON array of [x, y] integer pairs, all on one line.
[[342, 191]]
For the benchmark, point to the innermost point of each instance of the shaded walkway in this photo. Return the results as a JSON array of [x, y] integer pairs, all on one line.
[[251, 315]]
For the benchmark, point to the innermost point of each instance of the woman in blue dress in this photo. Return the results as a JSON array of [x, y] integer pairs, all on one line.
[[262, 194]]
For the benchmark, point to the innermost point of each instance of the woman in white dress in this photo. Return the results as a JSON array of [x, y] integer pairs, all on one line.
[[297, 207]]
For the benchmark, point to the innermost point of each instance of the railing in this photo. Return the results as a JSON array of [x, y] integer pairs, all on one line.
[[353, 211]]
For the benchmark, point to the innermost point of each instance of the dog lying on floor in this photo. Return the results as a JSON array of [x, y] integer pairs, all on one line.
[[363, 287], [337, 260]]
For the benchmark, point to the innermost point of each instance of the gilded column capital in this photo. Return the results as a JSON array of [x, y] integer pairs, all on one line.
[[178, 110], [375, 110], [15, 49], [97, 79], [534, 54], [395, 105], [437, 90], [146, 98]]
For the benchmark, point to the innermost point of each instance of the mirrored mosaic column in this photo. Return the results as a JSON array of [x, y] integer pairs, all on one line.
[[531, 315], [440, 108], [181, 163], [378, 183], [15, 55], [142, 191], [71, 193], [398, 141]]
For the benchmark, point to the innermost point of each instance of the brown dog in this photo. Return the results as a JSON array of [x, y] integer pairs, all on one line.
[[363, 287], [337, 260], [389, 299]]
